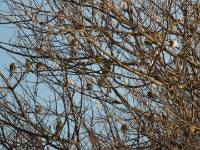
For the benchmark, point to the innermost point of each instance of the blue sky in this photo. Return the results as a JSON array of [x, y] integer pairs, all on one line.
[[5, 60]]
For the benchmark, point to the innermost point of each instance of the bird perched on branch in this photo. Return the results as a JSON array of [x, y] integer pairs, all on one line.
[[124, 128], [59, 125], [28, 64], [89, 85], [74, 49], [73, 46], [12, 69], [99, 59], [172, 43], [38, 109], [40, 66], [151, 94]]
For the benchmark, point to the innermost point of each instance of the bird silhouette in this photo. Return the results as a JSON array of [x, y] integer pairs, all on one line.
[[12, 69]]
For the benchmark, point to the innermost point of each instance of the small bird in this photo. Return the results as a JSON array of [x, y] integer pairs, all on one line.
[[73, 49], [40, 66], [73, 46], [71, 81], [59, 125], [97, 105], [28, 64], [124, 128], [89, 85], [12, 69], [151, 94], [173, 43], [99, 59], [38, 109], [101, 82]]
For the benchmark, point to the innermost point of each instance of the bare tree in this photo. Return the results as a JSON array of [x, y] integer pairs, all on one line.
[[101, 74]]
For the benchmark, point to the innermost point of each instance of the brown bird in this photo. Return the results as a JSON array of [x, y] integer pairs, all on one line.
[[73, 49], [99, 59], [73, 46], [124, 128], [40, 66], [172, 43], [59, 125], [151, 94], [12, 69], [38, 109], [28, 64], [89, 85]]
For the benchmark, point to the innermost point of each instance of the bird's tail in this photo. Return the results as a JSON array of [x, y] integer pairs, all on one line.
[[11, 74]]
